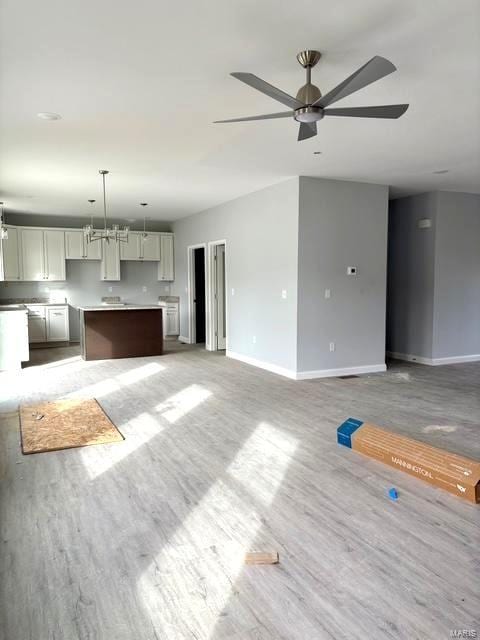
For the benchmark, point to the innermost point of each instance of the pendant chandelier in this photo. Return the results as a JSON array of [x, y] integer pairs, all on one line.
[[144, 234], [114, 233], [3, 228]]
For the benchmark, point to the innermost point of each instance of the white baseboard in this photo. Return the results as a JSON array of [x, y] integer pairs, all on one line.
[[335, 373], [273, 368], [307, 375], [184, 339], [434, 362]]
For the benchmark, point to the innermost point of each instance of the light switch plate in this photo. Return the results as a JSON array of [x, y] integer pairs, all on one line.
[[327, 293], [351, 271], [284, 294]]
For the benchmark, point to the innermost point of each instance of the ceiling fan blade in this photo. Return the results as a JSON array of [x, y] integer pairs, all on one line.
[[373, 70], [268, 89], [267, 116], [307, 130], [384, 111]]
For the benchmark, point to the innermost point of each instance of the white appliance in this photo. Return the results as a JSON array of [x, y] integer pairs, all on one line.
[[170, 316], [13, 336]]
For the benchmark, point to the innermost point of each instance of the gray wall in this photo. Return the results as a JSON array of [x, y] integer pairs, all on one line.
[[410, 298], [261, 230], [31, 220], [341, 224], [84, 287], [434, 276], [457, 276]]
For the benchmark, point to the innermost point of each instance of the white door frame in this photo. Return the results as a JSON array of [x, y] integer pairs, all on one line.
[[192, 331], [210, 291]]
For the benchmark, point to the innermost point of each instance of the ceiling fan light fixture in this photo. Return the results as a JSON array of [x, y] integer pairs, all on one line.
[[308, 114]]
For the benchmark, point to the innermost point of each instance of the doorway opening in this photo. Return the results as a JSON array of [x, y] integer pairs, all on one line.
[[197, 293]]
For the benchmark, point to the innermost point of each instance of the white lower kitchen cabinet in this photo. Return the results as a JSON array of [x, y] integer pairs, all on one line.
[[48, 323], [37, 331], [110, 260], [10, 263], [57, 325], [165, 266]]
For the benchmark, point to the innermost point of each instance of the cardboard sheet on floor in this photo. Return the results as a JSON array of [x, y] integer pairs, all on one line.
[[456, 474]]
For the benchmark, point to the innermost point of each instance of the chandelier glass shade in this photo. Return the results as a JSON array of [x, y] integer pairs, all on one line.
[[115, 232]]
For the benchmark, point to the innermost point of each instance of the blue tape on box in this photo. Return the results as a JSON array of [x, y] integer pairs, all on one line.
[[345, 431]]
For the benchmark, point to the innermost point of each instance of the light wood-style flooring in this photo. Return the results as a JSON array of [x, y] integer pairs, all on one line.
[[145, 539]]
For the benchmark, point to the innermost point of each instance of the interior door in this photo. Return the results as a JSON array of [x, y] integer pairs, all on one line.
[[220, 316]]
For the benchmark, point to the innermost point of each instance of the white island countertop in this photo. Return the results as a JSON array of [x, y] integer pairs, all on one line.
[[121, 307]]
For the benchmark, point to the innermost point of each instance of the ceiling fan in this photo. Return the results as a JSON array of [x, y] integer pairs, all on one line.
[[310, 106]]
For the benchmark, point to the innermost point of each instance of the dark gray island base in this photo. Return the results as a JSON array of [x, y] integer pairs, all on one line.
[[120, 332]]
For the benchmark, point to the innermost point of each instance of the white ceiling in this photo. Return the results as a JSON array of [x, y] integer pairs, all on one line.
[[138, 85]]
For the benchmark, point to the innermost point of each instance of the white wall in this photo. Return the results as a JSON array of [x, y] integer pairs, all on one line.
[[456, 330], [341, 224], [261, 231]]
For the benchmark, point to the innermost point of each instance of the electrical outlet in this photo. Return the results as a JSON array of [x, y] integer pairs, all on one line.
[[233, 291], [144, 289], [332, 346], [254, 339], [327, 293], [110, 289], [284, 294]]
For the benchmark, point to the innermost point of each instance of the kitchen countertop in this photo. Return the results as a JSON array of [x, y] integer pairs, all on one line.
[[123, 307], [13, 307]]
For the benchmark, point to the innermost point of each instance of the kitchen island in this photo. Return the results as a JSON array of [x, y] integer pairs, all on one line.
[[124, 331]]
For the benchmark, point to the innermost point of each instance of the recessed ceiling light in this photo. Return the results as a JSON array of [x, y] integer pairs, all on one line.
[[48, 115], [441, 171]]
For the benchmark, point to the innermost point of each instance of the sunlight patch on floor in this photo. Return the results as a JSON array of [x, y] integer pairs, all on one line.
[[141, 429], [188, 584], [134, 375], [267, 450], [183, 402], [446, 428]]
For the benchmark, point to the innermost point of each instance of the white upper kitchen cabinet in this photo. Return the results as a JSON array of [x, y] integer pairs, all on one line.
[[33, 261], [130, 250], [77, 247], [43, 254], [10, 263], [110, 260], [150, 246], [165, 266], [140, 247], [54, 251]]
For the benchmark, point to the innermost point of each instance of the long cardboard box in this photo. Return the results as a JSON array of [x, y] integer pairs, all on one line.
[[456, 474]]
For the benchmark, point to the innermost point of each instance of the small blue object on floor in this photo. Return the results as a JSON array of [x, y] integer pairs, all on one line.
[[393, 494]]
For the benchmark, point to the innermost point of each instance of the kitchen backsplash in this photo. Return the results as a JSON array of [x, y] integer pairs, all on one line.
[[84, 287]]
